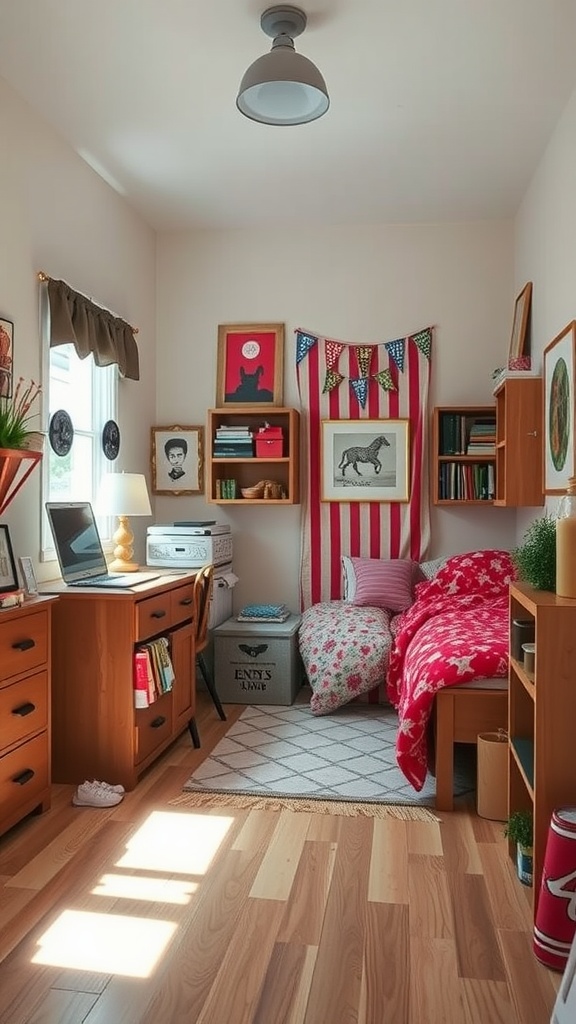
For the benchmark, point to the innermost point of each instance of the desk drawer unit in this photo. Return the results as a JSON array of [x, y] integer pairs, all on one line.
[[23, 643], [23, 709]]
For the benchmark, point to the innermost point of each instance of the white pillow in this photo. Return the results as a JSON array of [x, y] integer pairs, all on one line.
[[378, 582], [429, 569]]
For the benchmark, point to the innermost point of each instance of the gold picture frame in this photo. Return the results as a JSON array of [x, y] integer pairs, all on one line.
[[365, 460], [520, 321], [177, 460]]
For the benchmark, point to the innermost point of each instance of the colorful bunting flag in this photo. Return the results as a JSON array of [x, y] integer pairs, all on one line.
[[395, 350], [333, 350], [423, 339], [304, 342], [359, 386], [384, 379], [364, 355], [331, 380]]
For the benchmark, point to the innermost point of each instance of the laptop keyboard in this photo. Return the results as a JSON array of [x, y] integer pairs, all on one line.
[[100, 581]]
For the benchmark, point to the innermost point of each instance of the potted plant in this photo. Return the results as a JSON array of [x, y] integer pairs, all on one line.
[[519, 828], [15, 416], [535, 558]]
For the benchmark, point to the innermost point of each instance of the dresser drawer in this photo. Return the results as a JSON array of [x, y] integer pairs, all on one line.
[[181, 604], [153, 615], [23, 708], [23, 643], [153, 727], [23, 774]]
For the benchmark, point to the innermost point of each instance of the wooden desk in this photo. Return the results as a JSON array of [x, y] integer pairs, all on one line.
[[96, 731]]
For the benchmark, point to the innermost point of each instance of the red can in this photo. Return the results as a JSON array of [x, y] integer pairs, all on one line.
[[555, 923]]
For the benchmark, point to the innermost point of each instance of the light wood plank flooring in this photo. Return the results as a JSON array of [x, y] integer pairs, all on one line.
[[151, 914]]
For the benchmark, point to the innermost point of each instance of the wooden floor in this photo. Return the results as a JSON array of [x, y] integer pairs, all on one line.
[[153, 914]]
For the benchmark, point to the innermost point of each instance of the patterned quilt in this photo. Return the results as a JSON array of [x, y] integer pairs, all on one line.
[[456, 630], [345, 652]]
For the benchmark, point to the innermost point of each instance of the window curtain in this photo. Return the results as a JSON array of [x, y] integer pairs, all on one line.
[[75, 320]]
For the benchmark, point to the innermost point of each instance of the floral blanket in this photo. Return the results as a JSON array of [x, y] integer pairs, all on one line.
[[345, 651], [456, 630]]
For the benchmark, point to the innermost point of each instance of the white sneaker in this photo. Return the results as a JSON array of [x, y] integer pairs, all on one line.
[[108, 785], [93, 794]]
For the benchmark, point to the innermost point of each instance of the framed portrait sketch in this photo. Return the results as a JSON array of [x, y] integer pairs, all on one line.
[[177, 460], [28, 575], [250, 364], [519, 336], [365, 460], [8, 574], [559, 367], [6, 357]]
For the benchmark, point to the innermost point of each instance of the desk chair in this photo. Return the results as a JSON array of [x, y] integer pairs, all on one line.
[[202, 594]]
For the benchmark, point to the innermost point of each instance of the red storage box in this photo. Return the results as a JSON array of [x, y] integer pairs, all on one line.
[[269, 443]]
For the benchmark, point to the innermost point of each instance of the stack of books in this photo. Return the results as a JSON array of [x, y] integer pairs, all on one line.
[[263, 613], [233, 442], [153, 672], [482, 437]]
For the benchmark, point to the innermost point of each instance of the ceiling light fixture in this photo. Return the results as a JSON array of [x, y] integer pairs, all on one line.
[[283, 87]]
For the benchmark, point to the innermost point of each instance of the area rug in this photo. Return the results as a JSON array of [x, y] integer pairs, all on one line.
[[281, 757]]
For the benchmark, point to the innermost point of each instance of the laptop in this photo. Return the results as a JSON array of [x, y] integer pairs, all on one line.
[[79, 548]]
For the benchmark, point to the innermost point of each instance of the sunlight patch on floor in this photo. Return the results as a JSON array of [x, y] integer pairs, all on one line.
[[104, 943], [176, 842], [153, 890]]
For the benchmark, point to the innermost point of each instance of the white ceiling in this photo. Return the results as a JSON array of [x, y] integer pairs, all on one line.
[[440, 109]]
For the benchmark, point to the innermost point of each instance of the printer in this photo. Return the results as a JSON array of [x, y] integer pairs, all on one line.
[[188, 546]]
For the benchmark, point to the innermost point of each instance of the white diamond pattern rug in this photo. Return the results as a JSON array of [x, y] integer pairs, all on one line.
[[348, 755]]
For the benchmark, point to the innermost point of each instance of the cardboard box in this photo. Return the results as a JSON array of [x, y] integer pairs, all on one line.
[[257, 662]]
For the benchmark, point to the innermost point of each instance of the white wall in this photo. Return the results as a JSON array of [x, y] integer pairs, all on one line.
[[58, 216], [545, 250], [357, 284]]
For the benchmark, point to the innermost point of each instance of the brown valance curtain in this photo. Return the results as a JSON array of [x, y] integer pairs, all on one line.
[[76, 320]]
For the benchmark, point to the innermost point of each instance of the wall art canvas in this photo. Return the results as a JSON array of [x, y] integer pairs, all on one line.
[[365, 460], [6, 358], [250, 364], [559, 376]]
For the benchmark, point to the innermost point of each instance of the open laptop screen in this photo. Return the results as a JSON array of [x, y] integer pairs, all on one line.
[[76, 539]]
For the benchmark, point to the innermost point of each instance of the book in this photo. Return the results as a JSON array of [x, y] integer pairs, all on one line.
[[140, 680], [263, 613]]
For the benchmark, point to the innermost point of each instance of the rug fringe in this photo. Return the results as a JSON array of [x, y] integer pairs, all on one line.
[[406, 812]]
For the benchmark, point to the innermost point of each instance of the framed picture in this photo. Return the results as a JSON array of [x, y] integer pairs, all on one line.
[[559, 364], [8, 574], [520, 325], [177, 458], [6, 357], [365, 460], [28, 575], [250, 364]]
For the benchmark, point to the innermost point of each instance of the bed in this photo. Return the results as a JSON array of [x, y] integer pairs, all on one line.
[[441, 660]]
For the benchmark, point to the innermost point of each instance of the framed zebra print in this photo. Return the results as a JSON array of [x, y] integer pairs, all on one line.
[[365, 460]]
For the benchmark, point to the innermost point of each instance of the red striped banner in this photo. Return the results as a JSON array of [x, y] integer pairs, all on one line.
[[373, 529]]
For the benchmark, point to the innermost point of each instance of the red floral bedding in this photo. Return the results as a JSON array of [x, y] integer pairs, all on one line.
[[456, 630]]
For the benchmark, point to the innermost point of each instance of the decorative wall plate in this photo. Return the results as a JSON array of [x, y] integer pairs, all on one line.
[[111, 439], [61, 432]]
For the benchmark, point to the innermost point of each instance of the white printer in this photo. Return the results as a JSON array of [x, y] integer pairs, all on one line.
[[188, 545]]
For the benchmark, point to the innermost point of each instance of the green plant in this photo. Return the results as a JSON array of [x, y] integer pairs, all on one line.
[[519, 828], [14, 414], [535, 558]]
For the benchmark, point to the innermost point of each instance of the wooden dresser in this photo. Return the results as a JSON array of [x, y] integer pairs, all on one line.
[[96, 731], [25, 638]]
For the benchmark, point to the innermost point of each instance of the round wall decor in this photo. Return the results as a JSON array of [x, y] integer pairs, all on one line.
[[111, 439], [61, 432]]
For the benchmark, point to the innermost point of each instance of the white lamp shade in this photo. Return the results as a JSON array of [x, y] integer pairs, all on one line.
[[283, 87], [124, 494]]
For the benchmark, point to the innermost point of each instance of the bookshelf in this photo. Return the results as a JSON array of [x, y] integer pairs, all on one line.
[[519, 442], [281, 466], [464, 455]]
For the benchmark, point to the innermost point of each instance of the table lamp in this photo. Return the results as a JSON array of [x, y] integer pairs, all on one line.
[[123, 495]]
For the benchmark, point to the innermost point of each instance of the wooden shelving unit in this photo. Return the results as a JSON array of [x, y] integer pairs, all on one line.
[[519, 442], [541, 716], [453, 470], [247, 472]]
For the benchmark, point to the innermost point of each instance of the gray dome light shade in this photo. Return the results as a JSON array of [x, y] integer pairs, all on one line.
[[283, 87]]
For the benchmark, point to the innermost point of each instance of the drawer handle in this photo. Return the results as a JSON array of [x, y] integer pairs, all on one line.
[[157, 722], [24, 709], [24, 777], [159, 614], [186, 601], [24, 645]]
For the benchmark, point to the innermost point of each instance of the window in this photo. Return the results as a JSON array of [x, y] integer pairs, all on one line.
[[89, 394]]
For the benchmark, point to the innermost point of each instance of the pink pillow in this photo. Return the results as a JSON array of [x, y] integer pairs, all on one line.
[[379, 582]]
